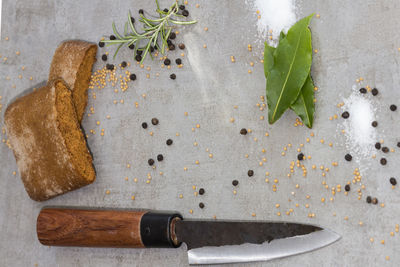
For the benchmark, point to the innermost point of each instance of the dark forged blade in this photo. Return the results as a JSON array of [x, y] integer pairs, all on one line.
[[211, 242]]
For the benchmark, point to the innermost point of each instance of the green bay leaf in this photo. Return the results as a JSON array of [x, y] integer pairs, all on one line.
[[304, 105], [292, 62]]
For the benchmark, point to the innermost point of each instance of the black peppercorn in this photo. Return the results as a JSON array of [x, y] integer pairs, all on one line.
[[374, 124], [345, 115], [393, 181], [385, 149], [144, 125], [160, 157], [235, 182], [132, 46], [374, 91], [169, 142], [139, 52], [165, 10], [398, 144], [169, 42], [374, 201], [243, 131], [132, 77], [171, 47], [369, 199], [250, 173], [151, 49], [112, 37], [172, 36], [172, 76], [393, 107], [363, 91], [383, 161], [141, 11], [154, 121], [138, 58], [201, 205], [181, 7], [378, 145], [110, 66], [181, 46], [101, 44], [104, 57], [151, 162], [201, 191], [167, 61], [178, 61], [348, 157], [300, 156], [123, 64], [347, 188], [132, 20], [185, 13]]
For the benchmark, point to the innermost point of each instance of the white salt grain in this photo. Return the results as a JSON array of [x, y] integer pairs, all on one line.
[[275, 15], [360, 135]]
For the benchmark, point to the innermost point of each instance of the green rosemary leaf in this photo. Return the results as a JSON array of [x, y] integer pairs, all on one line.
[[155, 31], [116, 51]]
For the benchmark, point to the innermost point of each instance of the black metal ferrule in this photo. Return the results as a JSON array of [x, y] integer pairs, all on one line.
[[155, 229]]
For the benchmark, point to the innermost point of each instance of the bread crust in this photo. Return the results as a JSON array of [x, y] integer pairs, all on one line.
[[66, 64], [42, 156]]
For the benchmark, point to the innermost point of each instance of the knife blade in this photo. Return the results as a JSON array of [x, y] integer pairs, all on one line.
[[211, 242], [208, 242]]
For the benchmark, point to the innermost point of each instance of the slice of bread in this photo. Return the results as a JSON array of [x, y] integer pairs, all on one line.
[[48, 143], [73, 62]]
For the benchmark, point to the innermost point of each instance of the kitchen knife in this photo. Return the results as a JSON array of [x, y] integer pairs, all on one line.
[[207, 241]]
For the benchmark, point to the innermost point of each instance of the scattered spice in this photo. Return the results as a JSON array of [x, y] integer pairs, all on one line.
[[348, 157], [374, 124], [144, 125], [243, 131], [385, 149], [201, 191], [374, 92], [235, 182], [151, 162], [250, 173], [201, 205], [393, 107], [169, 142], [363, 91], [172, 76], [383, 161], [154, 121], [345, 115], [160, 157], [393, 181]]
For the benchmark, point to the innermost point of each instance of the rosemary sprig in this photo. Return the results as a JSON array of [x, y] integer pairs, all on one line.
[[154, 30]]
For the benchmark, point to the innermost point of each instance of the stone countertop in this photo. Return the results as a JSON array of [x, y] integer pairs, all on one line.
[[354, 39]]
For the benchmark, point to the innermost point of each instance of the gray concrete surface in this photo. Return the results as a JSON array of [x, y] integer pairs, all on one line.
[[354, 39]]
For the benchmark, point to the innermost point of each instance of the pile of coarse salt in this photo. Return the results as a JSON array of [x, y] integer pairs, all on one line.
[[274, 16], [360, 135]]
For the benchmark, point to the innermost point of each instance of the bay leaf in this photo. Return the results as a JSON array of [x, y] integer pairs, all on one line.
[[304, 105], [292, 62]]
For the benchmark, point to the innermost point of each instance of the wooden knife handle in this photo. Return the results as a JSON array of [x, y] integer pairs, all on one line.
[[106, 228]]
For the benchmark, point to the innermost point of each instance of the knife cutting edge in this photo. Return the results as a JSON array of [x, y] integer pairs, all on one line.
[[207, 241]]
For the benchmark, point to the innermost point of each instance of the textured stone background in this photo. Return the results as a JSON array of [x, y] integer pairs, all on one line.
[[354, 39]]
